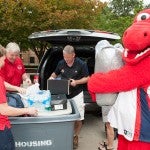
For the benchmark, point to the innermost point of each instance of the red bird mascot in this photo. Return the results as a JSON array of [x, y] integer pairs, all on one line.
[[131, 112]]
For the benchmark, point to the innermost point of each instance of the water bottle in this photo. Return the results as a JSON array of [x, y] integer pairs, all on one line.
[[39, 102], [30, 101], [46, 100]]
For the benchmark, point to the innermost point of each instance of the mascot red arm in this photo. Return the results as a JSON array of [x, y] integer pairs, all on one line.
[[135, 74], [124, 79]]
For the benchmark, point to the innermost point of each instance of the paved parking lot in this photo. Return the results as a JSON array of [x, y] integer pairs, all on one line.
[[92, 133]]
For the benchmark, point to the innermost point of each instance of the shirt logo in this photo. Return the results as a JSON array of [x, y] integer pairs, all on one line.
[[19, 67], [62, 71], [128, 133]]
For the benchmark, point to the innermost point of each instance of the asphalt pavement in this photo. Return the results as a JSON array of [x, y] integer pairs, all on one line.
[[92, 132]]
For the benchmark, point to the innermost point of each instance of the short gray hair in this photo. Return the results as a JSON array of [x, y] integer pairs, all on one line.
[[68, 49], [12, 47]]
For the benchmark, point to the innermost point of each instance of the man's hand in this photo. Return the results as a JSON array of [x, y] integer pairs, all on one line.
[[28, 81], [51, 78], [73, 82]]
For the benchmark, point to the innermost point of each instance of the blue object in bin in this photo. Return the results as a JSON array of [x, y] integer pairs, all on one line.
[[40, 100], [30, 102]]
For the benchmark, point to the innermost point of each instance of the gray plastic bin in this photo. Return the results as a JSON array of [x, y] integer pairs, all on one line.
[[45, 133]]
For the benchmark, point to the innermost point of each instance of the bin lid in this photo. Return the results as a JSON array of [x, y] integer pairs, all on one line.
[[69, 115]]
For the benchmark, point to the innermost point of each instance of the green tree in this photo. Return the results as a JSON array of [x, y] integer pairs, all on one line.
[[115, 17], [19, 18], [147, 6], [125, 7]]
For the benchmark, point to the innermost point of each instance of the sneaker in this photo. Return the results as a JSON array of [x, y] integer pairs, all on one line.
[[75, 142]]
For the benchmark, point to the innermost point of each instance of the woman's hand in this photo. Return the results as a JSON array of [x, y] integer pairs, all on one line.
[[21, 90]]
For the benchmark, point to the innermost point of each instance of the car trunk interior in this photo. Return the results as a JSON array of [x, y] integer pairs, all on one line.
[[52, 57], [83, 41]]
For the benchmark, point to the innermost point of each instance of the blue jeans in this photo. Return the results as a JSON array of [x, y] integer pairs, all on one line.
[[14, 100], [6, 140]]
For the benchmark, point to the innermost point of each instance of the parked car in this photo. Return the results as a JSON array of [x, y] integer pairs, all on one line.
[[84, 42]]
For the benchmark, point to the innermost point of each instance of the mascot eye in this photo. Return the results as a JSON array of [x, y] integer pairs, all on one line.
[[143, 16]]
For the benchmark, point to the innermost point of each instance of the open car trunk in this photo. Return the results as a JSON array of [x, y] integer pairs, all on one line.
[[83, 41]]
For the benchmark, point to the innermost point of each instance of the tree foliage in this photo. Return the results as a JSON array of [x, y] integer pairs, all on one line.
[[19, 18], [125, 7], [118, 15]]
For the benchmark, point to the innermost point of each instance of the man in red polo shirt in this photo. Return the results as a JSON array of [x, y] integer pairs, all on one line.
[[13, 73]]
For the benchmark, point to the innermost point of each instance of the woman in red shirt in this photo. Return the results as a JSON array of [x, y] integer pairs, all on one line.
[[6, 137]]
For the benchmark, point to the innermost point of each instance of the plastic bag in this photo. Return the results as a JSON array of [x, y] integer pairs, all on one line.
[[37, 98], [107, 57]]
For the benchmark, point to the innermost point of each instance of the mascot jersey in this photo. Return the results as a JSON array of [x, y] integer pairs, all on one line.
[[133, 79]]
